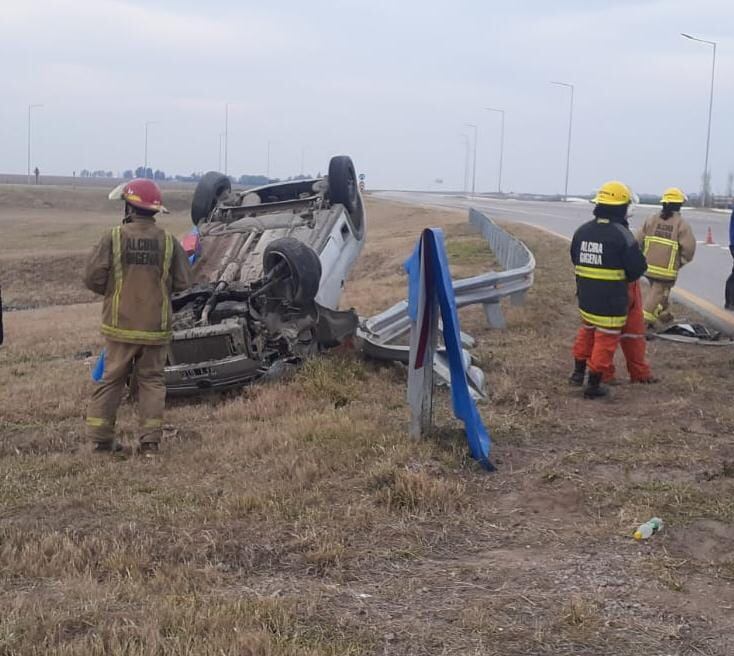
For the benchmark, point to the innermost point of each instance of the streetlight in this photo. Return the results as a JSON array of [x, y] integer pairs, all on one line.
[[570, 126], [226, 135], [267, 174], [706, 173], [474, 166], [303, 158], [502, 143], [30, 107], [465, 137], [221, 136], [145, 165]]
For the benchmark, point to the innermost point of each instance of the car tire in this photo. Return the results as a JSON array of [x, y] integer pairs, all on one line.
[[209, 191], [344, 189], [304, 266]]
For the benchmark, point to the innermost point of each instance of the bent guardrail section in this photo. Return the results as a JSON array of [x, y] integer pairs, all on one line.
[[379, 332]]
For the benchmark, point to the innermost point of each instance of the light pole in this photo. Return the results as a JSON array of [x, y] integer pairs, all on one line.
[[502, 143], [465, 137], [145, 162], [570, 127], [303, 158], [267, 174], [221, 137], [226, 136], [474, 166], [706, 173], [30, 107]]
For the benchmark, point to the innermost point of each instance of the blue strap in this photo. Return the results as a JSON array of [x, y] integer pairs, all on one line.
[[464, 406]]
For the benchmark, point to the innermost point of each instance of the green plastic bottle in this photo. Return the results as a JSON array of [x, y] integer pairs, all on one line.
[[648, 529]]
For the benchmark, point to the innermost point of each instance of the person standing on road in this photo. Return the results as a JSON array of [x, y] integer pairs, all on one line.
[[729, 289], [135, 266], [608, 264], [668, 244]]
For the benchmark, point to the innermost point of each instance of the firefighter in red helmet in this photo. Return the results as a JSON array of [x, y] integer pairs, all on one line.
[[135, 266]]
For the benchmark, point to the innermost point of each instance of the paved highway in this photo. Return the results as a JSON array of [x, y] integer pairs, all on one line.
[[701, 283]]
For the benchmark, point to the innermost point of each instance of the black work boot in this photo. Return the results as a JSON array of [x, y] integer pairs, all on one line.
[[111, 446], [579, 373], [594, 388]]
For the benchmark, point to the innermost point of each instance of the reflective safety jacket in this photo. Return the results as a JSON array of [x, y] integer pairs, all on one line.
[[668, 244], [135, 267], [606, 257]]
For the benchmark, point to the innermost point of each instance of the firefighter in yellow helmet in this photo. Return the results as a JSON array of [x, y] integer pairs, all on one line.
[[668, 243]]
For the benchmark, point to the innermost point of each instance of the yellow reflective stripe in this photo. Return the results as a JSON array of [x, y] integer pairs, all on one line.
[[98, 422], [600, 274], [660, 240], [152, 423], [167, 256], [603, 322], [649, 316], [142, 335], [659, 272], [117, 269]]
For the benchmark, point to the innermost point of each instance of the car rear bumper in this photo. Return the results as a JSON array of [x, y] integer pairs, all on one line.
[[214, 375]]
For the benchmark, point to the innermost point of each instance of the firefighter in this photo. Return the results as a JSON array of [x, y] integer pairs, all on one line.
[[135, 266], [608, 264], [668, 243]]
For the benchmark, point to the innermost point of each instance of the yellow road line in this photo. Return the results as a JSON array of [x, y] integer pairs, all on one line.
[[709, 308]]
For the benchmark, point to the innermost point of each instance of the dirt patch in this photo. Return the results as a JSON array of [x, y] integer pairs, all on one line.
[[705, 540], [30, 282]]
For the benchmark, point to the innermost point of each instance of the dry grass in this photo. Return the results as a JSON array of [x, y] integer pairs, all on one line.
[[298, 518]]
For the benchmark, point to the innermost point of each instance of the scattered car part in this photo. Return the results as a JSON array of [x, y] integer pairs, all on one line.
[[688, 332]]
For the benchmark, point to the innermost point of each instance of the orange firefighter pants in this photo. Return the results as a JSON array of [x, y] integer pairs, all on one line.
[[145, 364], [597, 346]]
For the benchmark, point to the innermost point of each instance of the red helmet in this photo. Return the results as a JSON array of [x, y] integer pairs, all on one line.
[[141, 193]]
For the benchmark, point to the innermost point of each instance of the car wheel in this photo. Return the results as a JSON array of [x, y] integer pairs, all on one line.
[[210, 190], [344, 189], [304, 268]]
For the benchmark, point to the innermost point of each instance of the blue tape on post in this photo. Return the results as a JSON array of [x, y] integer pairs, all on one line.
[[464, 406]]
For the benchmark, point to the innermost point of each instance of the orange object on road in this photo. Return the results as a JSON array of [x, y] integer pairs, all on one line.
[[710, 238]]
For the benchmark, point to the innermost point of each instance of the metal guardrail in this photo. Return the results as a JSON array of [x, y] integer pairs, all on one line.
[[379, 332]]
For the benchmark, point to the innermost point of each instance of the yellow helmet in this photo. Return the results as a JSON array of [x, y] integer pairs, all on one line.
[[673, 195], [614, 193]]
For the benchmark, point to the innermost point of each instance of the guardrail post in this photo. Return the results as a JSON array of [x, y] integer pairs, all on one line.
[[494, 315], [422, 353]]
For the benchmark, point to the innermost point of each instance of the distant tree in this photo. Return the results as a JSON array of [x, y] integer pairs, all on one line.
[[730, 185], [109, 174], [127, 174], [159, 175], [252, 180], [140, 172], [84, 173]]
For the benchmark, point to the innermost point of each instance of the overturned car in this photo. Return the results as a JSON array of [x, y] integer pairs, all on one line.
[[269, 266]]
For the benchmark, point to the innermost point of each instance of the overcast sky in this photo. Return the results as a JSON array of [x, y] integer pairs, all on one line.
[[390, 82]]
